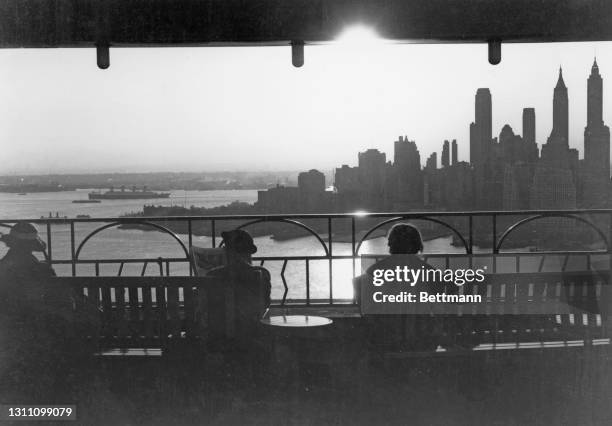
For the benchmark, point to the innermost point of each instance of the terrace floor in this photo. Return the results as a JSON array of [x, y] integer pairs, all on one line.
[[571, 385]]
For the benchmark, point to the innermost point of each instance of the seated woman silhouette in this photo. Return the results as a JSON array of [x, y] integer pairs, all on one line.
[[34, 320], [403, 239], [19, 263], [416, 332]]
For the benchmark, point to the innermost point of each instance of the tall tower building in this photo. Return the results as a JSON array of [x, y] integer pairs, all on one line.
[[445, 154], [454, 158], [529, 125], [596, 133], [556, 150], [594, 97], [406, 176], [596, 171], [554, 184], [481, 131], [560, 113]]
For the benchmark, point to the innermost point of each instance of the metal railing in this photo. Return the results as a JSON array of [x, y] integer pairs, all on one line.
[[489, 229]]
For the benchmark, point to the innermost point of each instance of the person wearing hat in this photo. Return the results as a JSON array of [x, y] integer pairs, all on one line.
[[23, 279], [248, 287], [252, 282], [27, 333], [39, 321], [19, 261]]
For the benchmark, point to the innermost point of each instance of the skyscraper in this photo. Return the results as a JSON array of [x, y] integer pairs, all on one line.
[[556, 152], [529, 125], [595, 176], [560, 134], [481, 131], [407, 179], [554, 185], [594, 97], [596, 133], [454, 158], [372, 177], [486, 180], [445, 154]]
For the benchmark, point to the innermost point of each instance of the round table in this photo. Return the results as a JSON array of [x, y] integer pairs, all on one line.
[[300, 321], [298, 342]]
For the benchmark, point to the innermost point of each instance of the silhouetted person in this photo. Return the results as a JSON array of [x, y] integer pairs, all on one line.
[[38, 320], [30, 331], [405, 243], [250, 285], [24, 278], [19, 263], [240, 298], [417, 332], [25, 281]]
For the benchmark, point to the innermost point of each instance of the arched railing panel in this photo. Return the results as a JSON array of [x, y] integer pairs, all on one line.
[[291, 222], [520, 223], [144, 222]]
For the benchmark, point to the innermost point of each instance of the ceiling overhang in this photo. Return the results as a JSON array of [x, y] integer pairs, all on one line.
[[82, 23]]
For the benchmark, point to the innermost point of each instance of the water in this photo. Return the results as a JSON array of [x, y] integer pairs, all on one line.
[[35, 205], [126, 244]]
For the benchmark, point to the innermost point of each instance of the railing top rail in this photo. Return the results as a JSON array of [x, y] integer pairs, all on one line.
[[276, 217]]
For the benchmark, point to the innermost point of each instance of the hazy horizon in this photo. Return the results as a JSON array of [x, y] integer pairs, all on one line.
[[213, 109]]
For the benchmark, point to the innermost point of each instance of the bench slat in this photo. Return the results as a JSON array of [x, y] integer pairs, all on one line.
[[189, 308], [173, 311], [107, 312], [135, 329], [150, 326], [121, 324]]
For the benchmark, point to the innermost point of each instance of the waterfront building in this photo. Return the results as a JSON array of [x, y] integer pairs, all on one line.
[[313, 196], [279, 199], [312, 181]]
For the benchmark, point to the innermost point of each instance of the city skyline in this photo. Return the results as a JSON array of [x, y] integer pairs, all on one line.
[[451, 120]]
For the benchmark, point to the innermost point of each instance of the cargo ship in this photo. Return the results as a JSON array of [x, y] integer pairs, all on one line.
[[122, 194]]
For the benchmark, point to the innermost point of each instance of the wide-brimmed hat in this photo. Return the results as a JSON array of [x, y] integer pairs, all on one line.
[[239, 241], [24, 234]]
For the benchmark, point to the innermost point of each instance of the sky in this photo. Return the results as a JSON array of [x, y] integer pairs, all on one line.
[[247, 108]]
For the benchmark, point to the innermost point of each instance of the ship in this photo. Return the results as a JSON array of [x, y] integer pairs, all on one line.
[[86, 201], [122, 194]]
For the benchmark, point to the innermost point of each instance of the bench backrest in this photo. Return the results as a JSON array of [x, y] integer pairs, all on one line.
[[574, 303], [148, 311], [522, 293]]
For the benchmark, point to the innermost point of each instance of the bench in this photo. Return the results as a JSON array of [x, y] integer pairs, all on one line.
[[517, 310], [146, 316]]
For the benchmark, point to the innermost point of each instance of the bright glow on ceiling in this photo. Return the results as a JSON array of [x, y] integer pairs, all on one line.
[[358, 35]]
